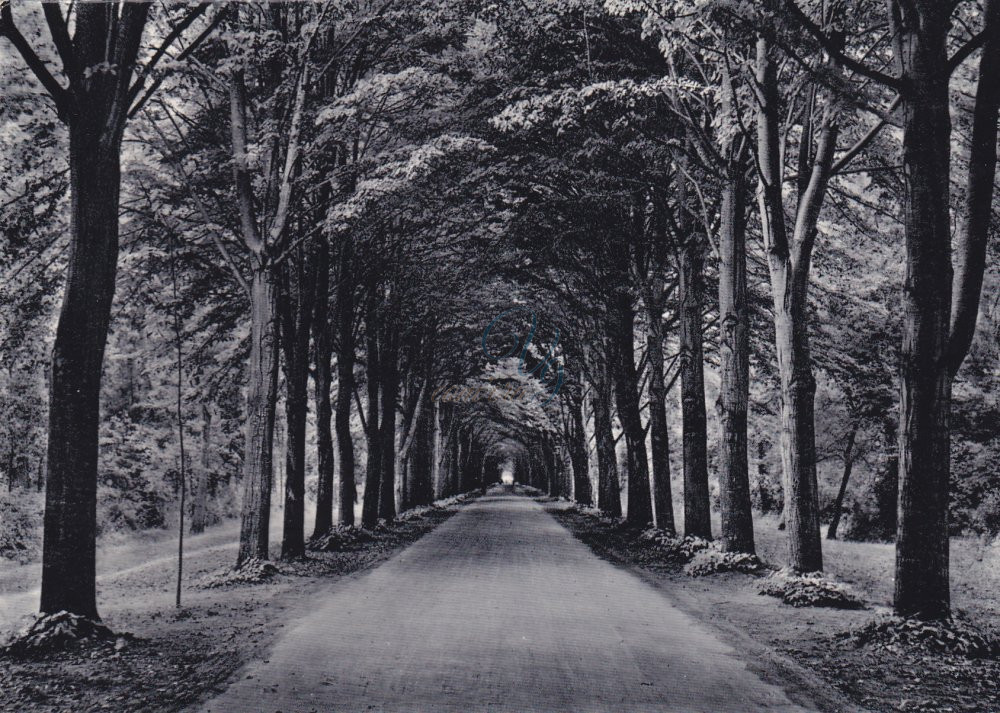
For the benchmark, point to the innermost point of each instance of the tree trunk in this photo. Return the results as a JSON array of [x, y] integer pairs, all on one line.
[[788, 266], [922, 587], [970, 249], [95, 111], [438, 452], [410, 434], [420, 462], [323, 349], [345, 385], [697, 512], [609, 499], [734, 362], [373, 468], [296, 314], [69, 550], [640, 506], [659, 429], [551, 469], [838, 503], [578, 452], [389, 353], [262, 395], [798, 439], [199, 494]]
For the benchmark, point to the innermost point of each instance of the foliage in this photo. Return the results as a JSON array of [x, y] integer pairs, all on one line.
[[810, 589], [57, 632], [20, 532], [954, 636], [673, 548], [253, 571], [714, 561], [341, 539]]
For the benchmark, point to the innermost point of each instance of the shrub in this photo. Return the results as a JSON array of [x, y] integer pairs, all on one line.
[[955, 636], [673, 548], [340, 538], [56, 632], [253, 571], [809, 590], [714, 560]]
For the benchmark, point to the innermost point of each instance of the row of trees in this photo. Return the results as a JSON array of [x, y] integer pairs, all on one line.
[[350, 192]]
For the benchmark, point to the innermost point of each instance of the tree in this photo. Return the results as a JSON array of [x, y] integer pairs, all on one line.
[[98, 60], [789, 258], [937, 329]]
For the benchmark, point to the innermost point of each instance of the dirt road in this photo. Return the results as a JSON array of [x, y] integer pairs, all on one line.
[[499, 609]]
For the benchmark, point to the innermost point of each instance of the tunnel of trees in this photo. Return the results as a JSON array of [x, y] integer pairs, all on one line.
[[255, 253]]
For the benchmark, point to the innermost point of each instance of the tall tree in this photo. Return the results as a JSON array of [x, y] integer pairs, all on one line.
[[789, 259], [694, 421], [323, 381], [95, 106], [640, 506], [937, 332], [295, 315]]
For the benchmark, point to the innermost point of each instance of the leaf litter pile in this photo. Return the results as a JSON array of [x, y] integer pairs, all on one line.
[[810, 589], [955, 636], [60, 631]]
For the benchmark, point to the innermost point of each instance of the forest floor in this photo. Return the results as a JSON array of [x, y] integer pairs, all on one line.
[[807, 644], [175, 657]]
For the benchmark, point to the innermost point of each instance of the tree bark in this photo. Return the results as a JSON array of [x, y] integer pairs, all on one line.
[[373, 467], [323, 350], [582, 493], [262, 394], [734, 362], [296, 314], [659, 429], [788, 265], [199, 494], [95, 111], [922, 587], [389, 353], [640, 506], [608, 486], [697, 512], [69, 550], [345, 385], [838, 503]]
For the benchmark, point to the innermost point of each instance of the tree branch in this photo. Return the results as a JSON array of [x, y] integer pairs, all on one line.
[[199, 204], [60, 36], [970, 250], [869, 136], [965, 50], [241, 175], [59, 94], [171, 37], [830, 46], [132, 23]]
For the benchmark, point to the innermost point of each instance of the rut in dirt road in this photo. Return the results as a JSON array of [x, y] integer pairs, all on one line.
[[499, 609]]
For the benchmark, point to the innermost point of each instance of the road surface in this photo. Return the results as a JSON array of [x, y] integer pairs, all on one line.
[[499, 608]]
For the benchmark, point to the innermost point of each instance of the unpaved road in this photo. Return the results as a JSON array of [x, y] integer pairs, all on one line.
[[498, 609]]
